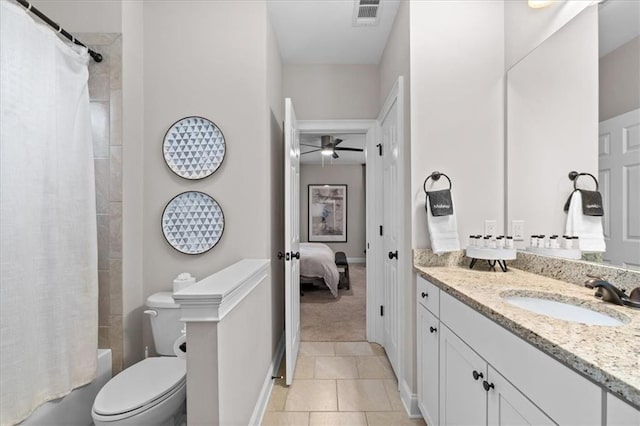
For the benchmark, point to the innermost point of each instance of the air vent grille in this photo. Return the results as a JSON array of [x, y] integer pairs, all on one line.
[[366, 12]]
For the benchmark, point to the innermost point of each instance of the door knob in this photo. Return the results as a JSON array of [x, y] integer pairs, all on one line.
[[280, 255], [487, 386], [295, 255], [393, 254], [477, 375], [433, 329]]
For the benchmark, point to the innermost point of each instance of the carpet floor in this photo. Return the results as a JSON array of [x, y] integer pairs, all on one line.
[[342, 319]]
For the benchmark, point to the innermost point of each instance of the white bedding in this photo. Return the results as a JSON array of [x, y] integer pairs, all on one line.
[[317, 260]]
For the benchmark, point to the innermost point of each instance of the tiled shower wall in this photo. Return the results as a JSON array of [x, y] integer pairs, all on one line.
[[105, 93]]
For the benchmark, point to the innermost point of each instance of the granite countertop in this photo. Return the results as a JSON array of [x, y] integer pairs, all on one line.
[[609, 356]]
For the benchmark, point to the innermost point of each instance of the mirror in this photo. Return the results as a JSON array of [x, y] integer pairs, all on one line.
[[573, 103]]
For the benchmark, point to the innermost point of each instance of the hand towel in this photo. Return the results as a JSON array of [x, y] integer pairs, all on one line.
[[440, 202], [591, 203], [443, 230], [587, 228]]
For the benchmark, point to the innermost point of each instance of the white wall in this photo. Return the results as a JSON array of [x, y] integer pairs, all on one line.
[[353, 177], [325, 92], [133, 164], [395, 62], [198, 72], [275, 112], [525, 28], [457, 109], [619, 81], [552, 124], [84, 16]]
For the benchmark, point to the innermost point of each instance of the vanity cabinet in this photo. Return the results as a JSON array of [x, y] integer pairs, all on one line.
[[472, 391], [477, 372]]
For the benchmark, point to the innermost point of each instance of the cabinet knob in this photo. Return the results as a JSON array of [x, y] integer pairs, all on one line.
[[433, 329], [295, 255], [477, 375], [424, 295], [393, 254], [487, 386]]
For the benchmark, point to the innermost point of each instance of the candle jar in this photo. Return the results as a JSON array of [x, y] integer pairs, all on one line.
[[509, 242]]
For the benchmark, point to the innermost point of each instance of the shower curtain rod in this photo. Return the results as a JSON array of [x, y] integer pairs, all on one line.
[[95, 55]]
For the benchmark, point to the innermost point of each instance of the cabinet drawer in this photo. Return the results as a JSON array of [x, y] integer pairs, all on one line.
[[428, 296]]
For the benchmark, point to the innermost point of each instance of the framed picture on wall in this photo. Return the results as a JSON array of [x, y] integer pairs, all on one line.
[[328, 213]]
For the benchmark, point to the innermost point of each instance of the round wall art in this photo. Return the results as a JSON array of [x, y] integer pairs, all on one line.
[[193, 222], [194, 147]]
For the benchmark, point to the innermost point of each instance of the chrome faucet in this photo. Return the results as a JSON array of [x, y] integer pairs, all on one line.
[[612, 294]]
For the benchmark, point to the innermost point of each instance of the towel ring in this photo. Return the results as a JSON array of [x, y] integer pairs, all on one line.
[[435, 176], [573, 175]]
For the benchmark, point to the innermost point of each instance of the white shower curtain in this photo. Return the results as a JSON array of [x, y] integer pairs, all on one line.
[[48, 251]]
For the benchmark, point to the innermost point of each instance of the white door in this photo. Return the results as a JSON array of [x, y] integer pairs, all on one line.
[[390, 121], [619, 176], [291, 238]]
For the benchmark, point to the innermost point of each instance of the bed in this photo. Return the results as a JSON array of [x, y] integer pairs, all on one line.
[[317, 260]]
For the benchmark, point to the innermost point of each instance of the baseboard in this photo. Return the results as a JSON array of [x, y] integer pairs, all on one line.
[[410, 401], [356, 259], [267, 386]]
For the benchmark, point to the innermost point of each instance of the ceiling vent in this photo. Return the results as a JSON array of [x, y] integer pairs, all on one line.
[[366, 12]]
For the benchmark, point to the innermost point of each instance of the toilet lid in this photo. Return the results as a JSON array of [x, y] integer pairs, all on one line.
[[140, 384]]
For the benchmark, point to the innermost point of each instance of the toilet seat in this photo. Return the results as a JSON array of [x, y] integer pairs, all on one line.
[[140, 387]]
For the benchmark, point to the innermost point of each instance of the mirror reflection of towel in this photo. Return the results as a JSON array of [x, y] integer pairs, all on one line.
[[440, 202], [591, 202]]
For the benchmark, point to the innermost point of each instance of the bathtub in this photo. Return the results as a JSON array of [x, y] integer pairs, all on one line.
[[75, 408]]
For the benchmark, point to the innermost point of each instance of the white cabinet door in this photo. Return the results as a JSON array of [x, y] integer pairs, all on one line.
[[620, 413], [507, 406], [428, 365], [463, 400]]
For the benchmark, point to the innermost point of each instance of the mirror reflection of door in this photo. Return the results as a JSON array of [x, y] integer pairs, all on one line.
[[619, 130]]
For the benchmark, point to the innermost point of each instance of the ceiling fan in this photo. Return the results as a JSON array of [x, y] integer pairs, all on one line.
[[329, 146]]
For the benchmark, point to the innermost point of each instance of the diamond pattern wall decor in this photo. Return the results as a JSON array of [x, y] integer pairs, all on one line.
[[194, 147], [192, 222]]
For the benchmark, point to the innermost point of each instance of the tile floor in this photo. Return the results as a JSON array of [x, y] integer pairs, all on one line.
[[338, 383]]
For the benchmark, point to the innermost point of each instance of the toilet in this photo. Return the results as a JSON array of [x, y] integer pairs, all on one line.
[[153, 391]]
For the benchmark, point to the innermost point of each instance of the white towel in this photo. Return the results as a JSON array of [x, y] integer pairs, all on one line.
[[587, 228], [443, 231]]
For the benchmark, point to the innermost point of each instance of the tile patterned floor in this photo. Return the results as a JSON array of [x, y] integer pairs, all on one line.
[[338, 383]]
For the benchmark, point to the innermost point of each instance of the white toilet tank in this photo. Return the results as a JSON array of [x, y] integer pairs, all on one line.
[[165, 321]]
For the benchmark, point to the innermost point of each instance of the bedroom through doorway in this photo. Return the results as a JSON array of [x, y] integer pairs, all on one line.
[[333, 239]]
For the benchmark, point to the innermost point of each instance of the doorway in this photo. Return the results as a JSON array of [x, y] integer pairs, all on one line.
[[386, 255]]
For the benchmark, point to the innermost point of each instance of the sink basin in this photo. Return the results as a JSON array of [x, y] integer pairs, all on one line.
[[563, 311]]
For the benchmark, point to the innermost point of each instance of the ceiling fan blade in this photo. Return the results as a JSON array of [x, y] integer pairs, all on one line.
[[313, 150], [305, 144], [335, 155], [337, 141], [349, 149]]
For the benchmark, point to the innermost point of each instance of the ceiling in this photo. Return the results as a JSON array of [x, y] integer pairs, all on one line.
[[322, 31], [618, 22], [350, 140]]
